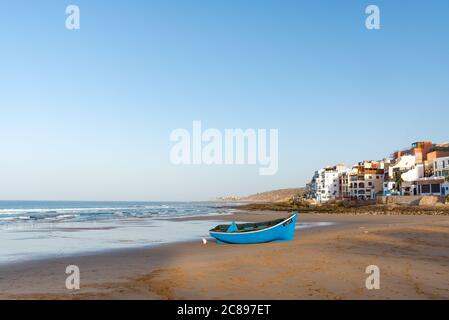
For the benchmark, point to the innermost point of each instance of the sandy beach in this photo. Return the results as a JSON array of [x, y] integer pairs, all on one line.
[[412, 253]]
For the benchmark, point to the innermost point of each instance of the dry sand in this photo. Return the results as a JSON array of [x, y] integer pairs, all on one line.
[[412, 253]]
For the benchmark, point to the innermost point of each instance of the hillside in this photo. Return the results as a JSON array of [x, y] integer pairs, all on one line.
[[280, 195]]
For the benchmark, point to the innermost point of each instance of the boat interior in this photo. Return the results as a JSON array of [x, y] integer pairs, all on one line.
[[246, 227]]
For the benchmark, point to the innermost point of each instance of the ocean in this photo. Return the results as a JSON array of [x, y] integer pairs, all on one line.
[[77, 211], [42, 229]]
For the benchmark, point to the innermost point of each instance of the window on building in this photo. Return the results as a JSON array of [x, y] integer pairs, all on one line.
[[436, 188], [370, 183], [425, 188]]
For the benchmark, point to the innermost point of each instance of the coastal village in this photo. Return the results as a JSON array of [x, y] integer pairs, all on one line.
[[422, 170]]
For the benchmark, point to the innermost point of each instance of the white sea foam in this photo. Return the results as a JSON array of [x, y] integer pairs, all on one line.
[[8, 218], [65, 216], [48, 211], [57, 210]]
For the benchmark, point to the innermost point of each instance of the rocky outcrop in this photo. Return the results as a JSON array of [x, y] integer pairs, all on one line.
[[429, 201], [401, 200]]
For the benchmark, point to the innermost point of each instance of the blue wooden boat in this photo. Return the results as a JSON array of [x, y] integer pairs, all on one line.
[[259, 232]]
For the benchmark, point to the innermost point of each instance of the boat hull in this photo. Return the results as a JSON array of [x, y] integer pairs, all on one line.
[[284, 231]]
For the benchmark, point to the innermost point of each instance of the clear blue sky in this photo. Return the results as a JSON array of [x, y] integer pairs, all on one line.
[[86, 115]]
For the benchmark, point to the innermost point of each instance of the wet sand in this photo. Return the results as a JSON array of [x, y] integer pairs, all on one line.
[[329, 262]]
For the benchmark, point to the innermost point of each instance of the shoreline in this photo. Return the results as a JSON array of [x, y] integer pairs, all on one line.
[[321, 263], [222, 218]]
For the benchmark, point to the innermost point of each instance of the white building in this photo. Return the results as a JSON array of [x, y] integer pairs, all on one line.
[[428, 186], [441, 167], [410, 171], [441, 170], [437, 185], [327, 183], [390, 187], [404, 163], [414, 173]]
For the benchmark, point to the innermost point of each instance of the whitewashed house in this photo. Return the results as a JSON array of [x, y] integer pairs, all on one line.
[[441, 167], [327, 183], [404, 163], [441, 170]]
